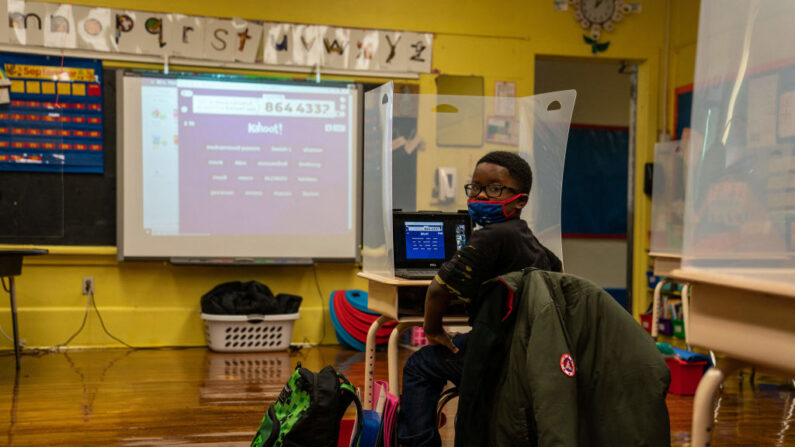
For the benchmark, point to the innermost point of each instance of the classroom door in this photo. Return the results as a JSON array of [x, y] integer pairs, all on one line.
[[594, 213]]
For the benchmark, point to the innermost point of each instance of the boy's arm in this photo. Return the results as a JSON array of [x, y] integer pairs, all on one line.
[[436, 300]]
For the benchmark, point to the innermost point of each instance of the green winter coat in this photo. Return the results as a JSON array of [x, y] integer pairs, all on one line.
[[567, 367]]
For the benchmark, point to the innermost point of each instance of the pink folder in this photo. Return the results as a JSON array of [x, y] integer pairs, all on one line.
[[390, 415]]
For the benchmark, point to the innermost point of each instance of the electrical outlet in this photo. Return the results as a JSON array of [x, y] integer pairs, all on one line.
[[88, 285]]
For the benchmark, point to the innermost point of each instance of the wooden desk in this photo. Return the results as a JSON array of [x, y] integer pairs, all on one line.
[[751, 322], [11, 266], [384, 297], [665, 263]]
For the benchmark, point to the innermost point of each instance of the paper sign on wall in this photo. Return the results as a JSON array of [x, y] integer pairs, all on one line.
[[124, 23], [185, 35], [505, 98], [364, 49], [26, 22], [219, 40], [420, 49], [336, 44], [59, 26], [278, 46], [247, 40], [140, 32], [94, 28], [392, 56], [307, 46]]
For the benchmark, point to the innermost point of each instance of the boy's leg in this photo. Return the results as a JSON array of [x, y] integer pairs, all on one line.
[[424, 376]]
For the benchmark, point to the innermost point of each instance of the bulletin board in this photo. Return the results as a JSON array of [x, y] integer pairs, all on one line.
[[683, 105], [54, 120], [74, 208], [594, 202]]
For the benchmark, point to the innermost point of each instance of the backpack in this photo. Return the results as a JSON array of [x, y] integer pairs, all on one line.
[[309, 410]]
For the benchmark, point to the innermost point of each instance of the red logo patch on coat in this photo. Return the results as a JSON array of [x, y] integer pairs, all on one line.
[[567, 365]]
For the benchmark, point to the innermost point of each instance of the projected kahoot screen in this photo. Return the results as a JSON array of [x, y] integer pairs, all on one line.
[[236, 168]]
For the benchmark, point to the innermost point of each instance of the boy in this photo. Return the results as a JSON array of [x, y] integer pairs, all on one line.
[[499, 190]]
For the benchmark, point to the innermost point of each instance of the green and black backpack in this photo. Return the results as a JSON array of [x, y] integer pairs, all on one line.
[[309, 410]]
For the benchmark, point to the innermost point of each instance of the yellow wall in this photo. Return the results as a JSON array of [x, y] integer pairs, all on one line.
[[155, 303], [684, 34], [603, 94]]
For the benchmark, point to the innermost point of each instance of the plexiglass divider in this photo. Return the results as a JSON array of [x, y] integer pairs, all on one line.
[[740, 201], [420, 151], [668, 198]]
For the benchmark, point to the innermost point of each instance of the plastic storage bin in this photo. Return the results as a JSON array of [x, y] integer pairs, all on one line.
[[664, 326], [418, 336], [248, 333], [678, 328], [684, 376], [645, 322], [651, 279]]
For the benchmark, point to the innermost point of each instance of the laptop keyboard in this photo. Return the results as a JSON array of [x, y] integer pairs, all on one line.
[[416, 273]]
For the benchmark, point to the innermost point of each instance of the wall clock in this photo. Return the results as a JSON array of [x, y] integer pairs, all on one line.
[[598, 15]]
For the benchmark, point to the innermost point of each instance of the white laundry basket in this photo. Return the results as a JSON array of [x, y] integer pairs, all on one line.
[[248, 333]]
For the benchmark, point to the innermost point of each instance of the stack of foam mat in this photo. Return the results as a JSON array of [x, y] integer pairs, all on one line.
[[352, 319]]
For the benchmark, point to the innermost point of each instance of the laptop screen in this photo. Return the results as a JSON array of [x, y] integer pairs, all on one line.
[[426, 239]]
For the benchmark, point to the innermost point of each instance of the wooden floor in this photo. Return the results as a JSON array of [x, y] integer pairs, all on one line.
[[196, 397]]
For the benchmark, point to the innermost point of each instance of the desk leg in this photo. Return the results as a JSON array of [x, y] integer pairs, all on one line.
[[686, 312], [13, 295], [369, 365], [655, 308], [392, 359], [703, 412]]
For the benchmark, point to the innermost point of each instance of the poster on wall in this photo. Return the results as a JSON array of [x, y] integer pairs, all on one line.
[[505, 98], [501, 130], [54, 120]]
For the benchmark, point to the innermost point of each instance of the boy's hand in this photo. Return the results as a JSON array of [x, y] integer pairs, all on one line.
[[441, 338]]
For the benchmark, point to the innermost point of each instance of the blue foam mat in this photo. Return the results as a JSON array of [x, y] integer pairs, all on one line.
[[358, 299], [343, 336]]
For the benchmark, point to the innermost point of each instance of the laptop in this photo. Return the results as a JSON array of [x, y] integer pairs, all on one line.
[[424, 240]]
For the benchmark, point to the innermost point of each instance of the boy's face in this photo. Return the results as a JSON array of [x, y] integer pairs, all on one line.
[[488, 173]]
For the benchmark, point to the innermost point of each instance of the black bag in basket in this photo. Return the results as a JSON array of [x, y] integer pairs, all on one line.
[[247, 298]]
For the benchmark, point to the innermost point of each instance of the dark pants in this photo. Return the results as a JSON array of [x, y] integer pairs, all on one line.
[[424, 376]]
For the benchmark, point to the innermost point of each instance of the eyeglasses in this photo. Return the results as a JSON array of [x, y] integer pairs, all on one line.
[[493, 190]]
